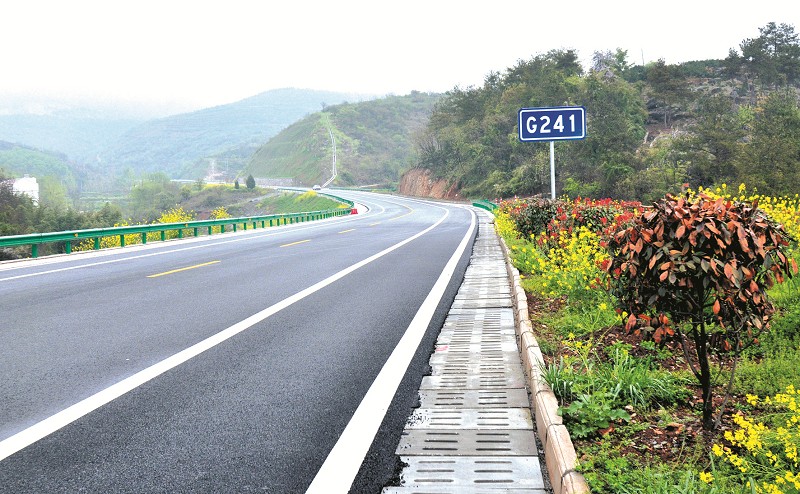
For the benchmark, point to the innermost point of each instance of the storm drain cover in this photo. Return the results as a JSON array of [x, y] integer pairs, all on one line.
[[481, 303], [503, 316], [473, 382], [467, 443], [459, 418], [487, 369], [509, 471], [446, 355], [473, 337], [474, 398]]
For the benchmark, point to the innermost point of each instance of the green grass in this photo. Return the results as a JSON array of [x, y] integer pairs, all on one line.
[[288, 202]]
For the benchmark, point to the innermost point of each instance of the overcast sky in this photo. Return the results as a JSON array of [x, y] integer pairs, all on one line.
[[194, 54]]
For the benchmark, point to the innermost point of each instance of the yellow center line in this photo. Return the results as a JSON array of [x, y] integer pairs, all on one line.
[[402, 215], [295, 243], [183, 269], [375, 224], [348, 231]]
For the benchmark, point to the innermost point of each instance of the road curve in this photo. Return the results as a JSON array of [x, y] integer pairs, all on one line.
[[230, 363]]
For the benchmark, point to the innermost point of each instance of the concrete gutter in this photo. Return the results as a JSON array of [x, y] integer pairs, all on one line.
[[559, 452]]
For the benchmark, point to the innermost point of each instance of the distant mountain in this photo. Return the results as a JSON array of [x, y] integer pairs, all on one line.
[[174, 144], [78, 134], [374, 142]]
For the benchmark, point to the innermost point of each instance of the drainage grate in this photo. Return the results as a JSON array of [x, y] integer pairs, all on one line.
[[473, 382], [467, 336], [474, 398], [458, 418], [446, 355], [481, 303], [484, 317], [503, 345], [485, 370], [500, 472], [467, 443], [462, 489]]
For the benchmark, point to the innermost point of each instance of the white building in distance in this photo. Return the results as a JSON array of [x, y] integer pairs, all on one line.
[[27, 185]]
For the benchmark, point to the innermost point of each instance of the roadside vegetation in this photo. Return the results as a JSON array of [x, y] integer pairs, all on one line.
[[650, 129], [154, 199], [612, 287]]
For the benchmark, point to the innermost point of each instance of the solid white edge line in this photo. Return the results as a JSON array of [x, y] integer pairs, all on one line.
[[343, 462], [55, 422]]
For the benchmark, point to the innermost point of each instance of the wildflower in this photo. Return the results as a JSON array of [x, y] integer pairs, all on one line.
[[706, 477]]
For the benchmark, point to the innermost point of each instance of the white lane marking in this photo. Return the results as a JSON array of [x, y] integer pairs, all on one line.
[[343, 462], [244, 237], [55, 422]]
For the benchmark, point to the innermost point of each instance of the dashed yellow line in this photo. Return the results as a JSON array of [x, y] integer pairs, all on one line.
[[295, 243], [183, 269], [348, 231]]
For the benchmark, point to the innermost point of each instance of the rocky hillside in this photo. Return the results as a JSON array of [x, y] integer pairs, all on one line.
[[421, 183]]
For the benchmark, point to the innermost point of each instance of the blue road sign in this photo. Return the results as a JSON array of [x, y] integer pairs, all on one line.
[[558, 123]]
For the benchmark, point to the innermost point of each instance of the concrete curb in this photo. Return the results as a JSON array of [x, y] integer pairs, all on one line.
[[559, 452]]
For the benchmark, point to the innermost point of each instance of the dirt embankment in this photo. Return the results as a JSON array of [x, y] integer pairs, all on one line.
[[419, 182]]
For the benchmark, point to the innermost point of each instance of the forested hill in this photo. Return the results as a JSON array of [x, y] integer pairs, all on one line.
[[55, 173], [650, 129], [374, 141], [174, 144]]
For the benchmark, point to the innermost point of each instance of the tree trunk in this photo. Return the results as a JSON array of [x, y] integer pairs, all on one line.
[[705, 377]]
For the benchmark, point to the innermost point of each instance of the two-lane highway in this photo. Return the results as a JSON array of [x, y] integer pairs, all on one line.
[[254, 361]]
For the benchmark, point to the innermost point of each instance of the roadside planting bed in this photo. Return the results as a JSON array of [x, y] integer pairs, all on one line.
[[671, 335]]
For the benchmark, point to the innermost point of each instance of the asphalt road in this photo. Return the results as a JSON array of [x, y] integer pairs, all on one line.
[[225, 364]]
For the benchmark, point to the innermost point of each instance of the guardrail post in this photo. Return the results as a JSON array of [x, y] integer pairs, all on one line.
[[144, 238], [34, 250], [163, 235], [222, 228], [234, 228], [210, 230], [122, 240], [97, 243], [180, 233], [68, 247]]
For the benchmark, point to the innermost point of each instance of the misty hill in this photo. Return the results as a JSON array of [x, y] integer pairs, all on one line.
[[174, 144], [374, 142], [80, 134], [55, 173]]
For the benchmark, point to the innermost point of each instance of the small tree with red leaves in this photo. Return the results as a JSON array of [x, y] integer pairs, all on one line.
[[697, 272]]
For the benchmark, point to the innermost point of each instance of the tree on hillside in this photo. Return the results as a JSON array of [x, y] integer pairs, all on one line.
[[615, 130], [617, 62], [773, 58], [668, 85], [251, 182], [715, 142]]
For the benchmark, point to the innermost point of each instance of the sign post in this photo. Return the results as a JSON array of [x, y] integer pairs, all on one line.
[[559, 123]]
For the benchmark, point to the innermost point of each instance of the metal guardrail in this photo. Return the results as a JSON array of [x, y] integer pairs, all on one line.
[[487, 205], [36, 239]]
